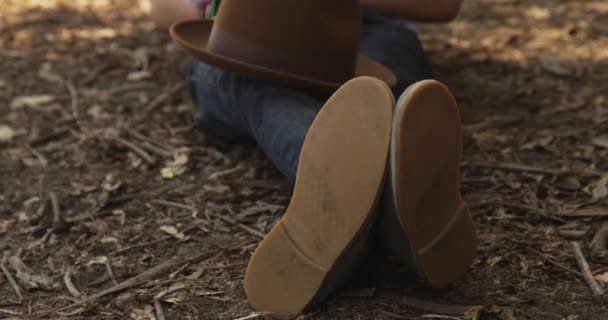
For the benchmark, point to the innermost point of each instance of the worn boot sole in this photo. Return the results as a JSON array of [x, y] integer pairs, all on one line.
[[426, 149], [340, 176]]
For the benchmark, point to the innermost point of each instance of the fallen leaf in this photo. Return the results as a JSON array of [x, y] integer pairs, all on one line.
[[147, 313], [472, 313], [111, 184], [138, 75], [31, 101], [196, 274], [539, 143], [7, 134], [600, 191], [220, 188], [537, 13], [4, 224], [492, 261], [102, 260], [27, 277], [173, 231], [602, 277], [179, 164], [167, 173], [601, 141], [176, 297]]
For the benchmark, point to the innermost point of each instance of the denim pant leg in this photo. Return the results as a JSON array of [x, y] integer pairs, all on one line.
[[396, 45], [279, 119], [235, 108], [214, 93]]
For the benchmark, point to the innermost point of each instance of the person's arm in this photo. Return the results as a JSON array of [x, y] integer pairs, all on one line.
[[417, 10], [166, 12]]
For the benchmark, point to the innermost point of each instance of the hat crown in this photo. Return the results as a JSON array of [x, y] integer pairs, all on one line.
[[312, 38]]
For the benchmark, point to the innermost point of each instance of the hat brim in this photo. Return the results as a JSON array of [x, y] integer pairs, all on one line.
[[193, 35]]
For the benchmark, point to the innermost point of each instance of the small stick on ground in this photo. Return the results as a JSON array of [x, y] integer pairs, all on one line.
[[137, 150], [516, 167], [139, 279], [67, 279], [44, 162], [573, 234], [538, 211], [174, 204], [159, 310], [582, 263], [599, 241], [257, 315], [158, 101], [239, 225], [140, 245], [549, 260], [74, 98], [157, 150], [110, 272], [12, 281], [55, 206]]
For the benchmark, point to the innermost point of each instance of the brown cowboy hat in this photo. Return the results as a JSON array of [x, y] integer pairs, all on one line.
[[311, 43]]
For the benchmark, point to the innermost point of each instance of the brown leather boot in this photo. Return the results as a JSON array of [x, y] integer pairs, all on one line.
[[319, 240], [425, 222]]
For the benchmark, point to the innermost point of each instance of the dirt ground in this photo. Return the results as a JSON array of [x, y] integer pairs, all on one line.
[[104, 176]]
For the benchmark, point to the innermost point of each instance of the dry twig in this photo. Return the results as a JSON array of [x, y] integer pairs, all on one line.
[[67, 279], [552, 261], [239, 225], [174, 204], [573, 234], [44, 162], [74, 98], [12, 281], [516, 167], [158, 101], [159, 310], [582, 263], [140, 245], [139, 279], [56, 210], [110, 272], [137, 150]]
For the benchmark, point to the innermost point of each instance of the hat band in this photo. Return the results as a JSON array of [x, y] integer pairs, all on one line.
[[326, 68]]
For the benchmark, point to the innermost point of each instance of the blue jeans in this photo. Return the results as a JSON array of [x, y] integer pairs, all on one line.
[[277, 118]]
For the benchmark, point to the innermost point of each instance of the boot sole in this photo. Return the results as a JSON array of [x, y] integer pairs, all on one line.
[[340, 176], [426, 149]]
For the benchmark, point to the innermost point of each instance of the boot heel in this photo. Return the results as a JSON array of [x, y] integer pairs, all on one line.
[[448, 256]]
